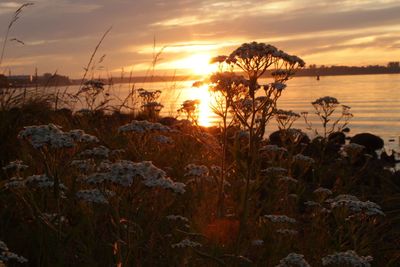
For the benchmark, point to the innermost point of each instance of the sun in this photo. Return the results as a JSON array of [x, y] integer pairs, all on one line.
[[196, 64]]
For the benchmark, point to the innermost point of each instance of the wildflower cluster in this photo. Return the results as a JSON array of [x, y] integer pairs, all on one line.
[[186, 243], [349, 257], [354, 205], [93, 95], [144, 127], [324, 109], [16, 165], [190, 109], [150, 106], [238, 197], [286, 118], [123, 172], [326, 102], [293, 259], [94, 196], [51, 135], [33, 181], [6, 255], [196, 170], [177, 218], [280, 219]]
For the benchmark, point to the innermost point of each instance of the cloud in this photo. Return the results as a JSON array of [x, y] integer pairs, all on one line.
[[57, 30]]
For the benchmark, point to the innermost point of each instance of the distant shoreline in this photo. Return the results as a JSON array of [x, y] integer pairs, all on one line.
[[321, 72], [140, 79]]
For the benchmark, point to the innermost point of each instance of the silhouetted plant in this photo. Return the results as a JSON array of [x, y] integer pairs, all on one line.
[[256, 105], [150, 107], [95, 97], [324, 109], [190, 109]]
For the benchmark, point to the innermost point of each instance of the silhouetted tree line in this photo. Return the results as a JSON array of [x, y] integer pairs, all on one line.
[[314, 70], [46, 79]]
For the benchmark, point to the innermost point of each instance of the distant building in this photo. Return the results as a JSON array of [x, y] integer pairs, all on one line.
[[19, 80], [52, 79], [46, 79]]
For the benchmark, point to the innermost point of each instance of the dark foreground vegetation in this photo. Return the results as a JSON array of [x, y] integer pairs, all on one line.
[[134, 189]]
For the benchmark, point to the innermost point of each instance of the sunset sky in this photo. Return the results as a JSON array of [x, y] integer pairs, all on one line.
[[61, 34]]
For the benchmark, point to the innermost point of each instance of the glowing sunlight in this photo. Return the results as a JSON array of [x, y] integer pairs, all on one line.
[[205, 111], [197, 64]]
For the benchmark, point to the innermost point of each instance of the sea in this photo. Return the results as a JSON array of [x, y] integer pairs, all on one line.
[[374, 102]]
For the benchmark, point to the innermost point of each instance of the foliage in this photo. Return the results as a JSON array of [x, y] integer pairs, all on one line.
[[110, 189]]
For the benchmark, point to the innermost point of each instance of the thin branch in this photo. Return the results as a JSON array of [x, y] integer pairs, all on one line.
[[14, 18], [92, 57]]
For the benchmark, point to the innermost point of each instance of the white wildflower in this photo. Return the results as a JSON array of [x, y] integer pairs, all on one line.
[[177, 218], [47, 135], [80, 136], [293, 259], [17, 165], [303, 159], [100, 151], [288, 179], [349, 257], [344, 197], [353, 204], [84, 165], [287, 232], [105, 165], [42, 181], [52, 135], [143, 127], [276, 171], [196, 170], [185, 243], [280, 219], [165, 183], [273, 148], [123, 172], [253, 50], [6, 255], [15, 182], [162, 139], [323, 190], [94, 196]]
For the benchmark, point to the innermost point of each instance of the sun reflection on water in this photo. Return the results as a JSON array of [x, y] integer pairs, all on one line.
[[205, 111]]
